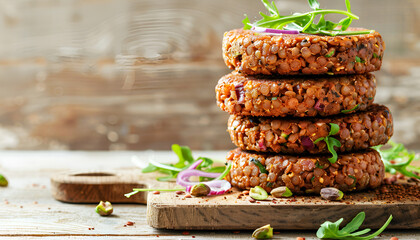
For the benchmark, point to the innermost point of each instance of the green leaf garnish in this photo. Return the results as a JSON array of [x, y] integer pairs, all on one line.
[[354, 108], [330, 54], [331, 142], [398, 159], [185, 159], [331, 229], [259, 165], [305, 22]]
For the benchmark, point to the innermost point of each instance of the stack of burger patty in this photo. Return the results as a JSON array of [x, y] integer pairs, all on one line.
[[284, 96]]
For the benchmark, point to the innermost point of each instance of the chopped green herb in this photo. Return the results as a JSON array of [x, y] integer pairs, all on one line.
[[305, 22], [313, 178], [398, 159], [331, 229], [354, 182], [269, 184], [286, 136], [259, 165], [331, 142], [330, 54], [350, 110], [318, 165], [359, 60], [370, 98], [273, 98], [375, 55]]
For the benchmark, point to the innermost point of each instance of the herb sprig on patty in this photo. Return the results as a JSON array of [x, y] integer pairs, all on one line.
[[305, 22]]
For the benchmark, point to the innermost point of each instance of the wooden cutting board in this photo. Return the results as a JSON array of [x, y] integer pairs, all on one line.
[[232, 211]]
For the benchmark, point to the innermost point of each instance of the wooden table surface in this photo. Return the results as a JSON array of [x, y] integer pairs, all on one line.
[[27, 210]]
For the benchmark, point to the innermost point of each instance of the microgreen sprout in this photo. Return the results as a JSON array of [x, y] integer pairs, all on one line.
[[306, 22], [331, 230], [398, 159], [350, 110], [185, 160], [137, 190], [331, 142], [259, 165]]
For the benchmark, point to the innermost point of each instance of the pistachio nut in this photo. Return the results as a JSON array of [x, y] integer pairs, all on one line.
[[258, 193], [3, 181], [331, 193], [104, 208], [200, 190], [263, 232], [281, 192]]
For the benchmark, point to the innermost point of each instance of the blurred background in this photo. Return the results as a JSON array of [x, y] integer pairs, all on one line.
[[140, 74]]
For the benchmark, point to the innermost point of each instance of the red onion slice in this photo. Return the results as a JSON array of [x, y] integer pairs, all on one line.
[[275, 31], [307, 142], [195, 165]]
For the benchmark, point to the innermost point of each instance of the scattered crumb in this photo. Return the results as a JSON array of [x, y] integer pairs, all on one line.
[[129, 223], [185, 233]]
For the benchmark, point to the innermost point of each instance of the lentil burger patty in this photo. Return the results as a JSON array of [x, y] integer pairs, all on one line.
[[306, 174], [358, 131], [288, 54], [303, 96]]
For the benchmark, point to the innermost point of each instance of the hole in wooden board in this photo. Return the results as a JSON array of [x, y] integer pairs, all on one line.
[[94, 174]]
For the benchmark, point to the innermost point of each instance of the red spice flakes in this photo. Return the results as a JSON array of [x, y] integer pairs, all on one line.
[[300, 238], [91, 228], [192, 236], [276, 233], [35, 202], [246, 192], [251, 200], [188, 196], [129, 223], [394, 238], [185, 233], [397, 192], [179, 192], [236, 232], [156, 192]]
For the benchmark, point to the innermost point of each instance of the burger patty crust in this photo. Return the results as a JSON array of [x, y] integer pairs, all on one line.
[[358, 131], [303, 96], [288, 54], [305, 174]]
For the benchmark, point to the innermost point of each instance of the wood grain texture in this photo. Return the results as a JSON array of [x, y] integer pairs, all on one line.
[[168, 210], [95, 186], [228, 212], [140, 74], [28, 211]]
